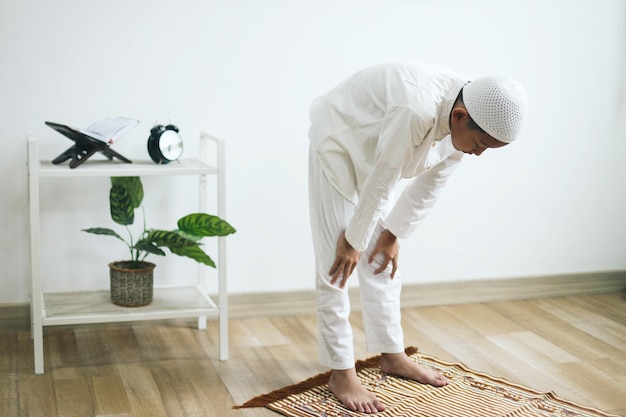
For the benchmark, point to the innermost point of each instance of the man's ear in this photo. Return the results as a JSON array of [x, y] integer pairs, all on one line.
[[459, 113], [458, 116]]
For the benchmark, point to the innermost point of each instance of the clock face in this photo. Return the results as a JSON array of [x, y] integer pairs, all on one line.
[[171, 145]]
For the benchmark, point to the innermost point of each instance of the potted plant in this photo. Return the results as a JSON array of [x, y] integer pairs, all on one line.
[[132, 279]]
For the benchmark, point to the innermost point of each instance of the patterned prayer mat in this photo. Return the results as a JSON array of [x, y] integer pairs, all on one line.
[[468, 394]]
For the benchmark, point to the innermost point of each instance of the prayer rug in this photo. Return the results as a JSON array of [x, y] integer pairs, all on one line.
[[468, 394]]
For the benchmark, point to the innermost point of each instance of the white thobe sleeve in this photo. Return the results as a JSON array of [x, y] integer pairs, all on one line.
[[419, 197], [400, 133]]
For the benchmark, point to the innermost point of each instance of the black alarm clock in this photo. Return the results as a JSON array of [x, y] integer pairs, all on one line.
[[165, 144]]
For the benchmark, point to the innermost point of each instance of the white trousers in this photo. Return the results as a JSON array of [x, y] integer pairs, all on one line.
[[380, 295]]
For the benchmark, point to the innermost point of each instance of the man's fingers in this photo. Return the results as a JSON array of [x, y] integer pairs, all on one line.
[[394, 266], [375, 252], [382, 266], [343, 270], [347, 271], [344, 279], [335, 272]]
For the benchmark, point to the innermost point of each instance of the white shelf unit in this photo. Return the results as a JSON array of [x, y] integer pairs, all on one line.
[[67, 308]]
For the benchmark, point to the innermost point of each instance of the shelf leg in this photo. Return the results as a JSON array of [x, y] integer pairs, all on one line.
[[221, 211], [223, 286], [36, 298], [38, 347], [223, 324], [202, 323]]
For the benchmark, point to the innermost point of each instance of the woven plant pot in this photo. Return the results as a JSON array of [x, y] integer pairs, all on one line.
[[131, 283]]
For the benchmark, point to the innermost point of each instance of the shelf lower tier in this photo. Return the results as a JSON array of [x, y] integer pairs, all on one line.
[[61, 308]]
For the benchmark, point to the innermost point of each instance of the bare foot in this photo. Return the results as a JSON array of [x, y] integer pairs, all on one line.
[[399, 364], [354, 396]]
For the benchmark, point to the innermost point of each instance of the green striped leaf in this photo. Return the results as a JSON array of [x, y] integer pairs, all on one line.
[[103, 231], [133, 186], [168, 239], [194, 252], [122, 210], [202, 224], [147, 246]]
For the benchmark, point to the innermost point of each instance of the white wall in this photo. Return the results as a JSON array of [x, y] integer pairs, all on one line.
[[247, 71]]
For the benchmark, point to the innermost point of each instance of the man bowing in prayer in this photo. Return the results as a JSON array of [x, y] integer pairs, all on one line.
[[383, 124]]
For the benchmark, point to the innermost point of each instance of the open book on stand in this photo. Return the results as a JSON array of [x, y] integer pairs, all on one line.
[[96, 138], [110, 129]]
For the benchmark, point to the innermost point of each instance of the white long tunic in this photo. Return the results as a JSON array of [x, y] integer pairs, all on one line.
[[383, 124]]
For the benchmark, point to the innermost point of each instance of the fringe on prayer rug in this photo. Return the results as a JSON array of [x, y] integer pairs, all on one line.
[[468, 394]]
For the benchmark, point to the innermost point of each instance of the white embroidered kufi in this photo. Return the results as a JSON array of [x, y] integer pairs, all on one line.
[[497, 104]]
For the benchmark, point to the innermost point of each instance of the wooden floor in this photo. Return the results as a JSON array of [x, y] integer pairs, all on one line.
[[574, 346]]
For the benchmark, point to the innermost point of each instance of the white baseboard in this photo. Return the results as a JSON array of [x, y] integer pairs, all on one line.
[[441, 293], [16, 316]]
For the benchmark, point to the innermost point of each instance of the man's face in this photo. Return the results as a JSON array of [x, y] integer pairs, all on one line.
[[470, 140], [474, 141]]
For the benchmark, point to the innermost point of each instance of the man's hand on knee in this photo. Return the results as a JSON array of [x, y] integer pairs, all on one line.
[[346, 259]]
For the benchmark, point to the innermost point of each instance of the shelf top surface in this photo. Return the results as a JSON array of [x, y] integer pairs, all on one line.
[[139, 167]]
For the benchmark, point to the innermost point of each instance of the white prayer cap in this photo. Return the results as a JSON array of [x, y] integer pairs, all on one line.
[[498, 105]]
